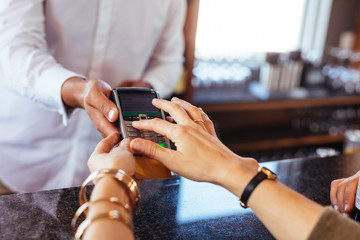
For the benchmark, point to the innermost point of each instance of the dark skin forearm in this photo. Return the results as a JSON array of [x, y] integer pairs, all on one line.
[[93, 96], [72, 92]]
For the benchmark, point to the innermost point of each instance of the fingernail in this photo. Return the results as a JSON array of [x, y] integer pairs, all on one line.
[[155, 100], [125, 141], [174, 98], [346, 207], [111, 114], [336, 207], [107, 86], [134, 123]]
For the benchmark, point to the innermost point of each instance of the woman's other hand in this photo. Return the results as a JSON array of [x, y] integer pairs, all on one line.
[[108, 155]]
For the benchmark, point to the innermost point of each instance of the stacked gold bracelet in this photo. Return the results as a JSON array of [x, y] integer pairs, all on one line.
[[131, 188], [112, 215], [86, 205], [121, 176]]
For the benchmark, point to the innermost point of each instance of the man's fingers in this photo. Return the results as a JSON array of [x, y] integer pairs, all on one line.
[[340, 196], [350, 192], [97, 97], [349, 195], [333, 192], [104, 105], [105, 145], [101, 123]]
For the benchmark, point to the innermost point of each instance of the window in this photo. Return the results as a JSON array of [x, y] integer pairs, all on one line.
[[236, 28]]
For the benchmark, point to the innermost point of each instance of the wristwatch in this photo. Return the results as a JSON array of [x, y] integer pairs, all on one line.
[[263, 173]]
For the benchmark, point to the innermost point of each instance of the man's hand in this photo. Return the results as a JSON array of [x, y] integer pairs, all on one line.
[[343, 193], [93, 96]]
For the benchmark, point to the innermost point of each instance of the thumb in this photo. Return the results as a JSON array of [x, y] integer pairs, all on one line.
[[97, 96], [125, 145], [150, 149], [105, 145]]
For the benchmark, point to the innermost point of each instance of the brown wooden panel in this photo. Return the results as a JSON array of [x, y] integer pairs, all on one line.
[[282, 104], [285, 143]]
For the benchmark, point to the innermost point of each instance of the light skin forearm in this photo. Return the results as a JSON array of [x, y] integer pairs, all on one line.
[[93, 97], [286, 213]]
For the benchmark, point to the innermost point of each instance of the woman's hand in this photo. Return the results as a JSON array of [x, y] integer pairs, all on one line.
[[343, 193], [200, 155], [93, 96], [106, 155], [197, 115]]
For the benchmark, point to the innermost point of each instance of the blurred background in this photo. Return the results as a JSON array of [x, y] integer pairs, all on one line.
[[280, 79]]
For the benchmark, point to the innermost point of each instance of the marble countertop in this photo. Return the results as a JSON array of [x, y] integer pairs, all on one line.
[[174, 208]]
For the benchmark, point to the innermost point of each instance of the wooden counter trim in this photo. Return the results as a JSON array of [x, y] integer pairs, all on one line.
[[285, 143], [281, 104]]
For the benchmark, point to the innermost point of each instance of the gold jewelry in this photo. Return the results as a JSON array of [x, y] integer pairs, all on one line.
[[83, 208], [118, 174], [112, 215], [199, 120]]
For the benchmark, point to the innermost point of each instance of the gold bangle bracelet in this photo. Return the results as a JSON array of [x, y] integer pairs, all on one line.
[[85, 206], [112, 215], [118, 174]]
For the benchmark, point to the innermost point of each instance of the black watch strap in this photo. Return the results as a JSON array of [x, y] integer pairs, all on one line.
[[259, 177]]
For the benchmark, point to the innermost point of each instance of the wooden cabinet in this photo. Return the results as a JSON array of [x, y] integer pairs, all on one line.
[[272, 125]]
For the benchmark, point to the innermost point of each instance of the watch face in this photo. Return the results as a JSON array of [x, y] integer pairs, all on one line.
[[270, 174]]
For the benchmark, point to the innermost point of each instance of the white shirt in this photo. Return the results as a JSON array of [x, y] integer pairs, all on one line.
[[45, 42]]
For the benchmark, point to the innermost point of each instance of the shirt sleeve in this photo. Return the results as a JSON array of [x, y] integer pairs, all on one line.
[[25, 65], [166, 63], [332, 225]]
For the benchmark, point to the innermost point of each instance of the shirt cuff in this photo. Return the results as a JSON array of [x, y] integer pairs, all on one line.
[[49, 87]]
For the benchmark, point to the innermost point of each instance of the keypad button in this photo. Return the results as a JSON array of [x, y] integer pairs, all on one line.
[[131, 129], [162, 144], [134, 134], [149, 134], [160, 140]]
